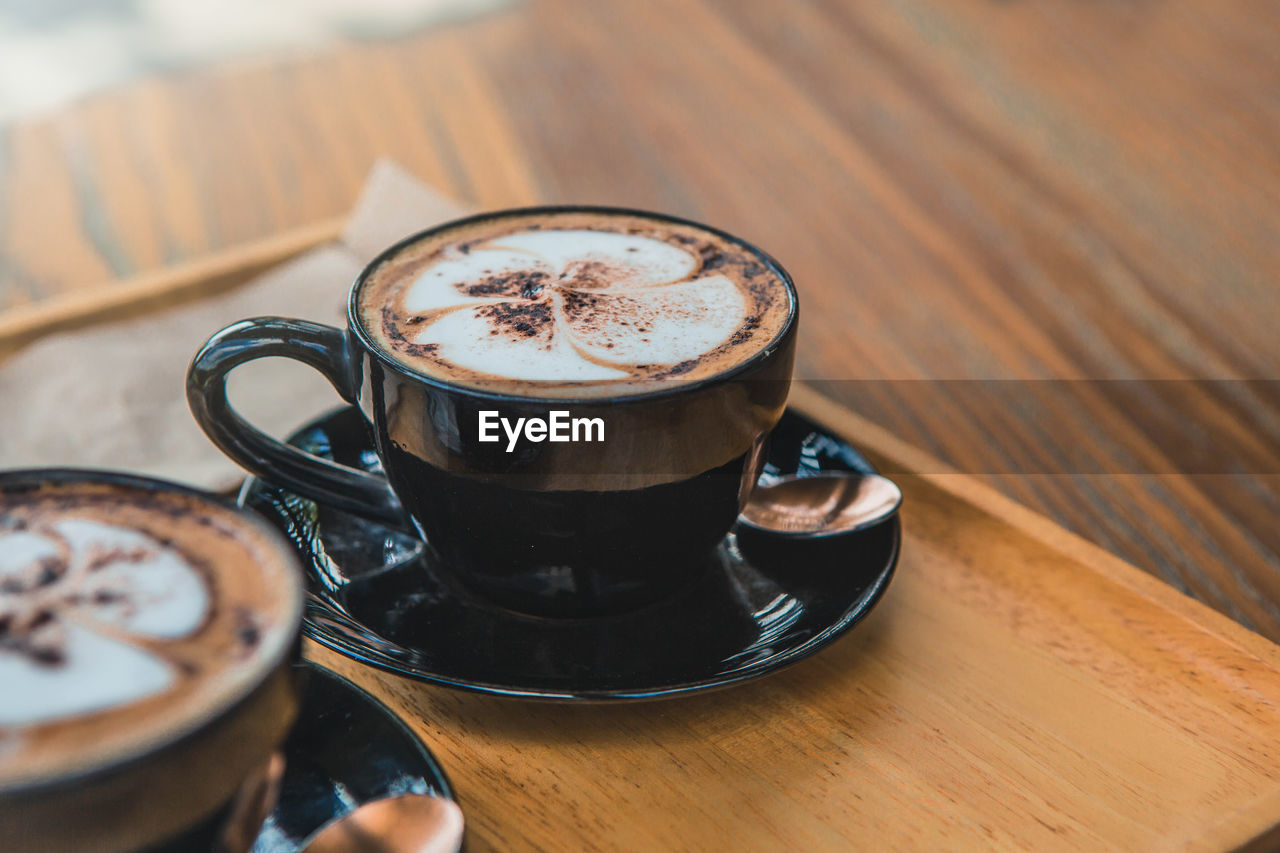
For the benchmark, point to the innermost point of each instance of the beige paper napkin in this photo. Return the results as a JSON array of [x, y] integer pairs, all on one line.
[[113, 396]]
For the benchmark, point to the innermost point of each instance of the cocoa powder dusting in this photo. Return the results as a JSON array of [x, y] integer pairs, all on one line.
[[514, 285], [525, 319]]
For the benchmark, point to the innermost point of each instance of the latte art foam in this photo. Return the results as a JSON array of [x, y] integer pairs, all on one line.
[[69, 588], [573, 302], [127, 614]]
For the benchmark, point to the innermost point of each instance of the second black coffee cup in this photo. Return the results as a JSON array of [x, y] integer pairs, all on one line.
[[570, 403]]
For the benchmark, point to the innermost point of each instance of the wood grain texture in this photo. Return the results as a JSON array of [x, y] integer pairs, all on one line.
[[1025, 192], [1017, 688], [162, 288]]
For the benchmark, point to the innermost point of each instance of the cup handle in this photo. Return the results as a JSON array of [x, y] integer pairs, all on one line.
[[321, 347]]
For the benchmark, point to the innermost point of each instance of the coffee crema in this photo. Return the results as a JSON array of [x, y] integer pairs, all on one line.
[[128, 617], [574, 303]]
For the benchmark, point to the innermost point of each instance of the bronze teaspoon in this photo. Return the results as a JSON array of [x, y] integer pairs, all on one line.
[[413, 823], [823, 504]]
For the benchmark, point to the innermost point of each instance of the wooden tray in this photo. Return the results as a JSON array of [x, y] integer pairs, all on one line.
[[1018, 688]]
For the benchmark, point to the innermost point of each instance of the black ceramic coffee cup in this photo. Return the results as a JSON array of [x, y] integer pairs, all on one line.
[[548, 529]]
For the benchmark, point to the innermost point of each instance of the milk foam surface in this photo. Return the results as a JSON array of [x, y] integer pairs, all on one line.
[[574, 299], [57, 660], [125, 615]]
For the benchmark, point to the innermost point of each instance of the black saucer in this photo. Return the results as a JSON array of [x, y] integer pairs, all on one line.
[[764, 603], [346, 749]]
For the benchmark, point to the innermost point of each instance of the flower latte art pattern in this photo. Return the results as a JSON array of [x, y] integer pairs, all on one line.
[[128, 614], [75, 598], [574, 299], [572, 305]]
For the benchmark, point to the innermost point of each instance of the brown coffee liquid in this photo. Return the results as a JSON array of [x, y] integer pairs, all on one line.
[[129, 617], [574, 303]]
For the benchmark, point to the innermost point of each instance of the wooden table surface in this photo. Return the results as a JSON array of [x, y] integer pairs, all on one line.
[[1016, 689], [1026, 192]]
